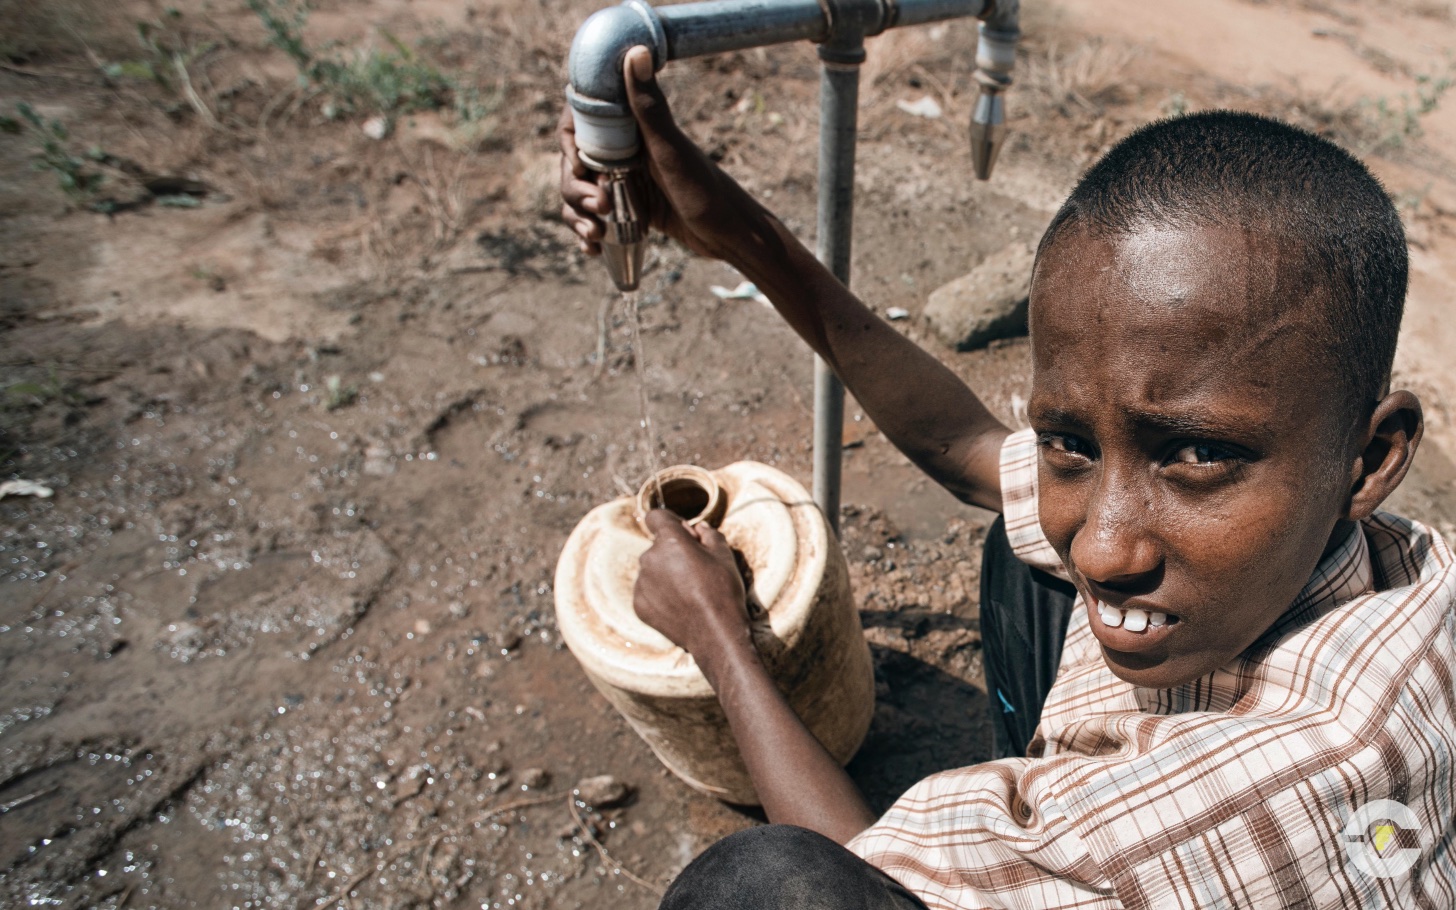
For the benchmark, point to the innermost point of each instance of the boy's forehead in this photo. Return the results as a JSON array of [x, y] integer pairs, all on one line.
[[1203, 315], [1156, 274]]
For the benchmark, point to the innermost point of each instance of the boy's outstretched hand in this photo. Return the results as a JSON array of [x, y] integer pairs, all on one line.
[[689, 197]]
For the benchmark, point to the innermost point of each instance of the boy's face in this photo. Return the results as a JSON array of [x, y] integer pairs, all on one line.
[[1195, 448]]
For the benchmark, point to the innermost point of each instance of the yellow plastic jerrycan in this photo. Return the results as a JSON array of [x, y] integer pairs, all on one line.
[[804, 620]]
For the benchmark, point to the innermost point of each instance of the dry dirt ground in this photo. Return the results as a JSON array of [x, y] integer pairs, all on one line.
[[283, 636]]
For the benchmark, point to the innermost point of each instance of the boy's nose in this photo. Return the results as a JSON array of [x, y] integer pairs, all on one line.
[[1113, 548]]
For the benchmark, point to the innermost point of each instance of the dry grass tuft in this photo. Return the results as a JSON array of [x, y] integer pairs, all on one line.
[[1082, 81], [41, 31]]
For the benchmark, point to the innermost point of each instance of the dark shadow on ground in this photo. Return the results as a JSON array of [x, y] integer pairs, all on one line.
[[926, 720]]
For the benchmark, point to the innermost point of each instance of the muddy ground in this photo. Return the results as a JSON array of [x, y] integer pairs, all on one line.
[[319, 411]]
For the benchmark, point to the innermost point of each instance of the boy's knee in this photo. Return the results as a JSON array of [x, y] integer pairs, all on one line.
[[782, 866]]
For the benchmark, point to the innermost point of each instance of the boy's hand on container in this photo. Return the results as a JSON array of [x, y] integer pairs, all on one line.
[[689, 589], [689, 197]]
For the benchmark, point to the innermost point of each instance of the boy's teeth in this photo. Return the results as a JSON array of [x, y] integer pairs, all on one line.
[[1133, 620]]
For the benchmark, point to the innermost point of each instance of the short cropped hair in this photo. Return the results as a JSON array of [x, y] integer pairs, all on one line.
[[1321, 204]]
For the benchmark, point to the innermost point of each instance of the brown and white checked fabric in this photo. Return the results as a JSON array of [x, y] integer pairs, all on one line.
[[1230, 791]]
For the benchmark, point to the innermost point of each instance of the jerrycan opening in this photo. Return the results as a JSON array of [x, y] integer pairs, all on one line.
[[688, 491]]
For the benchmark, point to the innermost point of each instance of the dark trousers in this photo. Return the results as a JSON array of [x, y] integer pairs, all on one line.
[[1024, 615]]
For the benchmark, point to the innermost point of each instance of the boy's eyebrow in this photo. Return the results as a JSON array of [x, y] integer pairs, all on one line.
[[1187, 424], [1204, 424], [1056, 416]]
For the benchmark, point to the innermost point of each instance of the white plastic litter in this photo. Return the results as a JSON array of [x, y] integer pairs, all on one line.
[[896, 313], [25, 488], [926, 107], [745, 291]]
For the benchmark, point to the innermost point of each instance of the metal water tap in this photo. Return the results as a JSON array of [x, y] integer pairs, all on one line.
[[606, 132], [995, 57]]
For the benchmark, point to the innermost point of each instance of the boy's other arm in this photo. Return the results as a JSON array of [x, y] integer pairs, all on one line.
[[690, 590], [919, 404]]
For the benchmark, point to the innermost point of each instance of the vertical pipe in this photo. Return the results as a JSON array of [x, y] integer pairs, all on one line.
[[838, 123]]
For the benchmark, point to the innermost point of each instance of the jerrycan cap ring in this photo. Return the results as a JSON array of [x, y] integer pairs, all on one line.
[[688, 491]]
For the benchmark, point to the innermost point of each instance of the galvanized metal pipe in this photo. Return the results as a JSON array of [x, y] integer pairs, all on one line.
[[838, 126], [719, 26]]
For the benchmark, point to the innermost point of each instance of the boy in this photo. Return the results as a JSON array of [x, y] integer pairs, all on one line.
[[1253, 702]]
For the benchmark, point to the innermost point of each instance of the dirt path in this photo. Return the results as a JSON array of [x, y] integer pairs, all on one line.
[[283, 636]]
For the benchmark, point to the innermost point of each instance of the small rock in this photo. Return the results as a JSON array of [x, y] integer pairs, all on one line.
[[601, 792], [376, 127], [422, 627], [986, 304], [379, 461], [184, 641], [870, 554], [535, 778], [508, 641], [896, 313], [410, 783]]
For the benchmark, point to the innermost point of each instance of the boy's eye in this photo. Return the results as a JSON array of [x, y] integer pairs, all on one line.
[[1064, 442], [1202, 453]]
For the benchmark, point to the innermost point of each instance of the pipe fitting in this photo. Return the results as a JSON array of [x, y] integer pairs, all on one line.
[[605, 129]]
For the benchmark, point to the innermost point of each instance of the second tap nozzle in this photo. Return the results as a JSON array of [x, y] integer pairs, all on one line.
[[988, 131]]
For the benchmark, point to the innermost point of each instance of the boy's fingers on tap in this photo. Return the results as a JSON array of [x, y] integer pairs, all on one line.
[[566, 135], [578, 185], [588, 229], [584, 197]]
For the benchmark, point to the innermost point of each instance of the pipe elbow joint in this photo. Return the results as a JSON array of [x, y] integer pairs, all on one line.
[[595, 64], [605, 129]]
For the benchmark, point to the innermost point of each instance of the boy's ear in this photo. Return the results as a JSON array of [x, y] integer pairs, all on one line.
[[1391, 440]]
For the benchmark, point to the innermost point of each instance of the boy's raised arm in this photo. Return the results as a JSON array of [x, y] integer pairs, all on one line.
[[920, 405]]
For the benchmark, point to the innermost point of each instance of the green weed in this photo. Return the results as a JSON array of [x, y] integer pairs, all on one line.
[[367, 81], [1390, 124], [168, 49], [78, 176], [39, 393]]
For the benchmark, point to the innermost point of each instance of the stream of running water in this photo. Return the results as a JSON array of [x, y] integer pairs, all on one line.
[[639, 359]]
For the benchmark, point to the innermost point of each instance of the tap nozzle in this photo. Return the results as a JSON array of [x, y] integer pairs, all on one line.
[[995, 58], [624, 244], [988, 130]]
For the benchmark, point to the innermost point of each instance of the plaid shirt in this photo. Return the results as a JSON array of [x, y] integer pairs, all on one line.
[[1233, 790]]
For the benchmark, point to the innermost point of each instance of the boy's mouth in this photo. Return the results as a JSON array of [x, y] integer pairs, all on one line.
[[1129, 628]]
